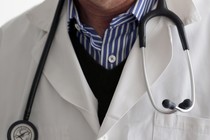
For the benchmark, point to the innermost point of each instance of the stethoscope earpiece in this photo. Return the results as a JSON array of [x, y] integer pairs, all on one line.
[[186, 104], [168, 104]]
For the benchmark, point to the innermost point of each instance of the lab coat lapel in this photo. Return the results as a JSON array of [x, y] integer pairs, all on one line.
[[64, 73], [159, 52]]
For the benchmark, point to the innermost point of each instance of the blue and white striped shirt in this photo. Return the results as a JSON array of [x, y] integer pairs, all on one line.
[[118, 38]]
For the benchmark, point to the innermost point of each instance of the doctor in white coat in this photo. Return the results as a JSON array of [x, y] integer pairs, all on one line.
[[65, 107]]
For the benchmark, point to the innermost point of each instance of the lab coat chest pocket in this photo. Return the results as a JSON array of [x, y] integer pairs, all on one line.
[[175, 127]]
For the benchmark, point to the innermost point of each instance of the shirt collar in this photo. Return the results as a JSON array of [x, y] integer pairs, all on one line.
[[138, 9], [73, 13], [141, 7]]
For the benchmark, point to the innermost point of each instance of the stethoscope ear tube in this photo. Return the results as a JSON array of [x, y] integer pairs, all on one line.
[[162, 10], [24, 128]]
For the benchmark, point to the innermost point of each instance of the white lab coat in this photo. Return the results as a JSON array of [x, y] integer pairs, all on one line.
[[65, 107]]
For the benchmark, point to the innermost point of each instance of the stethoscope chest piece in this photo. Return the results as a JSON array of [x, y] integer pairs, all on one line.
[[22, 130]]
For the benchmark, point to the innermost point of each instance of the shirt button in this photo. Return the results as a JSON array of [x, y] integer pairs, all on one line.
[[112, 58], [77, 27]]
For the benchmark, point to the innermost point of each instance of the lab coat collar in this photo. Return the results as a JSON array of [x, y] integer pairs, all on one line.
[[185, 9], [42, 15]]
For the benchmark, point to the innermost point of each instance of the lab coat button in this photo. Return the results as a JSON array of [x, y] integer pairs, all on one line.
[[103, 138], [112, 58]]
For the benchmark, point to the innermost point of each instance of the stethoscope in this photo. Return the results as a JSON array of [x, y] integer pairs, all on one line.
[[24, 129]]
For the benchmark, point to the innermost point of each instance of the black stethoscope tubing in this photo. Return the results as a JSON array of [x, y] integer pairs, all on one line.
[[161, 10], [15, 130], [42, 61]]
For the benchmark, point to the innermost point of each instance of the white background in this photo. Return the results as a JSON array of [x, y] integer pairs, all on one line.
[[12, 8]]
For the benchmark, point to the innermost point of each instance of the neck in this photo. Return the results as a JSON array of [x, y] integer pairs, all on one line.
[[99, 13]]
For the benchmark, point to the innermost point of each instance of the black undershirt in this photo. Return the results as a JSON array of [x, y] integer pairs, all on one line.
[[102, 82]]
